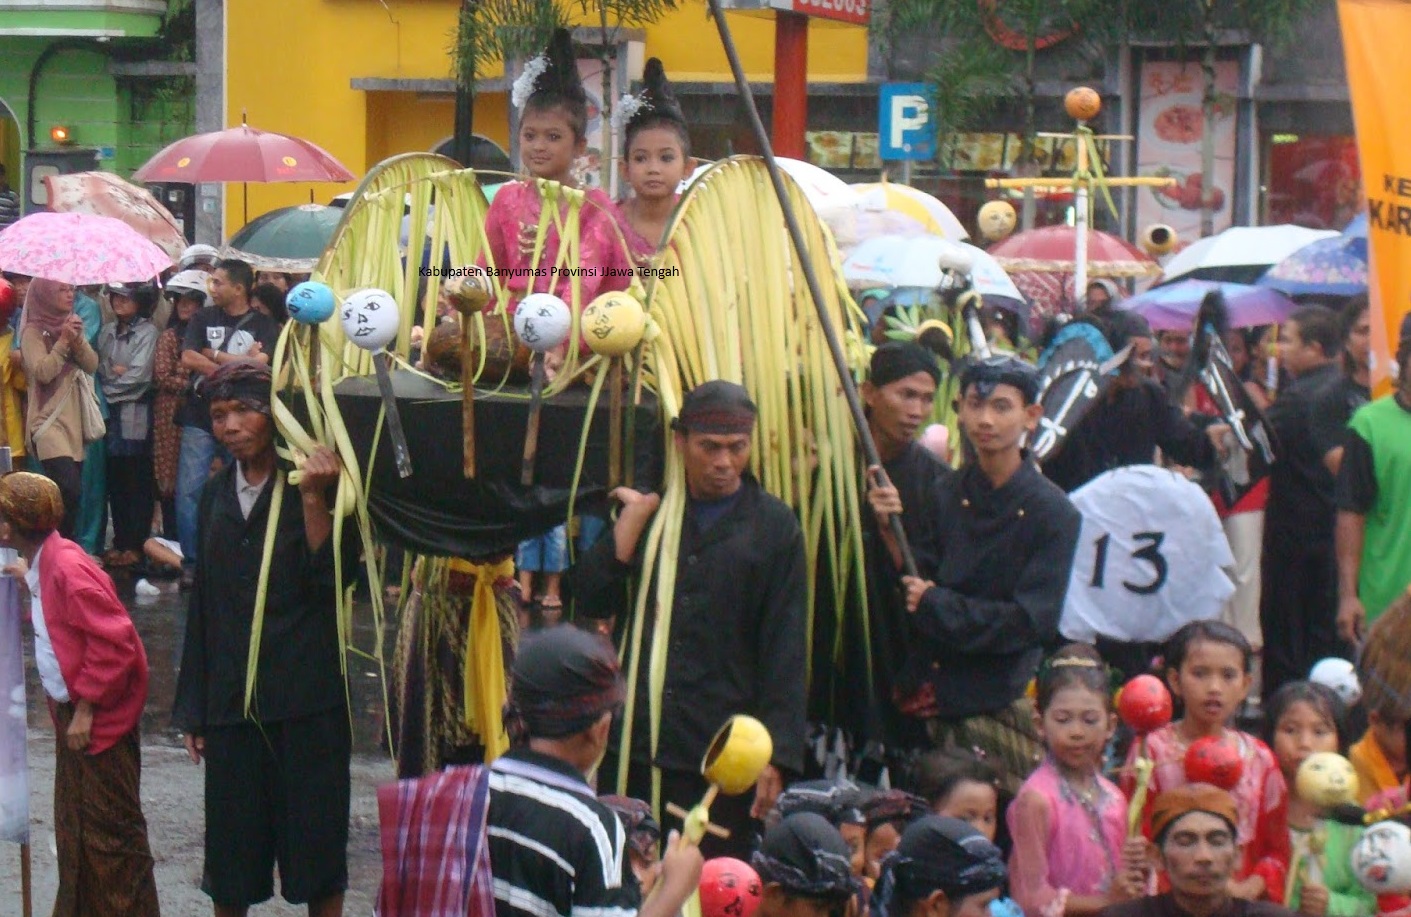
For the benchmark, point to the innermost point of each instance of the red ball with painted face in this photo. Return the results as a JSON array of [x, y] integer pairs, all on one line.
[[729, 888], [1145, 704], [1212, 761]]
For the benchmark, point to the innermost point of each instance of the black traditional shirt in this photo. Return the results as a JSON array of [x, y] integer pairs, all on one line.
[[738, 630], [299, 672]]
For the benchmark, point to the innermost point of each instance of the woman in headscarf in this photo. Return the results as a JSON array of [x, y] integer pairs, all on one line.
[[55, 349]]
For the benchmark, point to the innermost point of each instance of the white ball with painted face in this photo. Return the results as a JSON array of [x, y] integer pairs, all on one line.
[[1339, 675], [542, 321], [371, 318], [1381, 860]]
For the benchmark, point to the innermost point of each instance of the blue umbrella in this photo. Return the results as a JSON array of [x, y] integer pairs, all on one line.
[[1327, 267], [1173, 307]]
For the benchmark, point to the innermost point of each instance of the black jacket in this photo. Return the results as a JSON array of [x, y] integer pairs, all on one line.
[[917, 475], [738, 622], [1301, 509], [1003, 558], [1125, 427], [299, 672]]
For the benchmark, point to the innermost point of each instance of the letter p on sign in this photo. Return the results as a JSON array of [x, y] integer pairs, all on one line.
[[904, 121], [909, 114]]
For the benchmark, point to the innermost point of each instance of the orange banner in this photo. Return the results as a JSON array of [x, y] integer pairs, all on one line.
[[1374, 35]]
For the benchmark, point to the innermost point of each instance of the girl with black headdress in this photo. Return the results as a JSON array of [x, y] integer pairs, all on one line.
[[552, 136], [657, 160]]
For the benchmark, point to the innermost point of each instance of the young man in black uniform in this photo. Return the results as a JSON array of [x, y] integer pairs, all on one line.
[[1003, 538]]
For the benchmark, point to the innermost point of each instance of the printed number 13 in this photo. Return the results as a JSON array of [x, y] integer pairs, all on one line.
[[1149, 552]]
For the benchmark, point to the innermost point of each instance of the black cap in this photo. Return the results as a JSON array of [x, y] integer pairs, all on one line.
[[807, 857]]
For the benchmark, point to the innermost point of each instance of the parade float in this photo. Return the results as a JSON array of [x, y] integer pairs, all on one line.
[[468, 466]]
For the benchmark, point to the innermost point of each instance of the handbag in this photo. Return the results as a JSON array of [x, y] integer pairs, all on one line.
[[94, 427], [90, 414]]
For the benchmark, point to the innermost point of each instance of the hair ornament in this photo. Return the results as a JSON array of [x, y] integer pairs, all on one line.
[[523, 87]]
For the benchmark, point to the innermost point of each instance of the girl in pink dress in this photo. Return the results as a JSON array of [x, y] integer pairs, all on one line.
[[552, 135], [658, 159], [1068, 822], [1208, 669]]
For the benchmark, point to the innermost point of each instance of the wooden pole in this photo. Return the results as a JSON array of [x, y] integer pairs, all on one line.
[[26, 891]]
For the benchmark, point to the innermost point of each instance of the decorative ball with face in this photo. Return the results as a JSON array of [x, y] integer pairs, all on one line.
[[1326, 779], [1082, 103], [729, 888], [1212, 761], [371, 319], [613, 324], [310, 302], [542, 322], [1144, 704], [1381, 860], [997, 220], [1340, 675]]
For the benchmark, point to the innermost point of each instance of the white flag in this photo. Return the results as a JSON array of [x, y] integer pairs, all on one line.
[[14, 779]]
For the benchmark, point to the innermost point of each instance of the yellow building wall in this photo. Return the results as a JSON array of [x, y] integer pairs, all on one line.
[[290, 63]]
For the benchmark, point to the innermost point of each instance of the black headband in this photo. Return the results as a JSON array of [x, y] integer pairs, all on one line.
[[807, 857], [565, 679]]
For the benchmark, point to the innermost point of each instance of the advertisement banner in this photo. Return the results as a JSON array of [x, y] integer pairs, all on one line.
[[14, 778], [1171, 127], [1378, 72]]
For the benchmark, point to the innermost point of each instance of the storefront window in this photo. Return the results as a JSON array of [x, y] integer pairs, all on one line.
[[1312, 181]]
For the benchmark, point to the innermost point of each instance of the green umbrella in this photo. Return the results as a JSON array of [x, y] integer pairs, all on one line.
[[290, 239]]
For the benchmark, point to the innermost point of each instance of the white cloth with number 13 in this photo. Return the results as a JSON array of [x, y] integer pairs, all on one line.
[[1151, 557]]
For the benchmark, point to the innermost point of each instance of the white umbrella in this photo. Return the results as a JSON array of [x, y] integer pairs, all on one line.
[[1240, 254], [914, 261], [1151, 557]]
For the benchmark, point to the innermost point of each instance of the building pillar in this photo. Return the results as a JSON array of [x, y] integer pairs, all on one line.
[[210, 109]]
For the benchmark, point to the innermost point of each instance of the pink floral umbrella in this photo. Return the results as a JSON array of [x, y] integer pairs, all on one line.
[[79, 248]]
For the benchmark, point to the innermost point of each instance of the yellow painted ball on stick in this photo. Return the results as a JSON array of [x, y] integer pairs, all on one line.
[[613, 324]]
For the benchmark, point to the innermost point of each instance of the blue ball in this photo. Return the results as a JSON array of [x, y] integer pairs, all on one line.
[[310, 302]]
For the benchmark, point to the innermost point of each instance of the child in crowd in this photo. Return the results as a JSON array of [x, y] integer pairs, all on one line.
[[1069, 823], [959, 785], [1208, 667], [1303, 719], [547, 556], [803, 865], [941, 866], [643, 838], [838, 801], [658, 159], [1379, 757], [887, 814]]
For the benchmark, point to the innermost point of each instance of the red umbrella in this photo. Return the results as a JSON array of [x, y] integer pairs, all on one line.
[[242, 154], [1052, 249]]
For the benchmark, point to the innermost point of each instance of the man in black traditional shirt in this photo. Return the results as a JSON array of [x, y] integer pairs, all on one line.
[[1298, 604], [277, 779], [1335, 403], [1003, 539], [899, 393], [737, 641]]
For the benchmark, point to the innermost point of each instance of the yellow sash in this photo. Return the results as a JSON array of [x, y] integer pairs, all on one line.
[[484, 657]]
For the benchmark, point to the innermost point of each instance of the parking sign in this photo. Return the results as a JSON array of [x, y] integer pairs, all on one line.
[[905, 129]]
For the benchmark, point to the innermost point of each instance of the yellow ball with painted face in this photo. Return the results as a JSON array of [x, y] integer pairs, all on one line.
[[613, 324], [997, 220], [1326, 779], [1082, 103]]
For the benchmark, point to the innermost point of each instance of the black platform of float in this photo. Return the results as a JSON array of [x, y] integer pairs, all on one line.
[[439, 511]]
